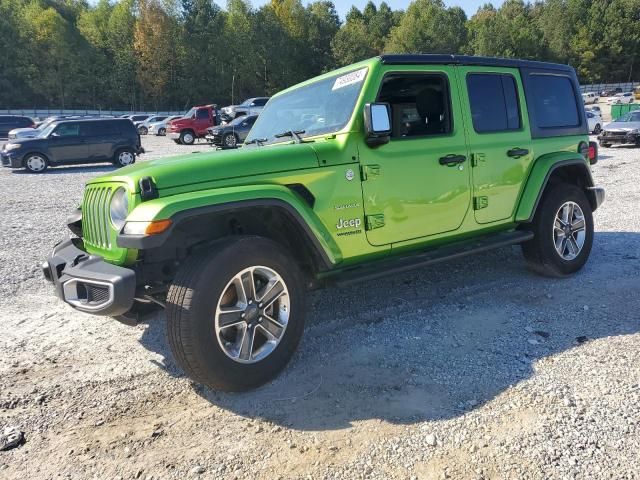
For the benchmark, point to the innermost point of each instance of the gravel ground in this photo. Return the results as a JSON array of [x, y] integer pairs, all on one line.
[[470, 369]]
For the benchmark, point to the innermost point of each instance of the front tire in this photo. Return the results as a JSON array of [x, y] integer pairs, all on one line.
[[597, 129], [563, 229], [230, 140], [36, 163], [235, 316], [162, 132], [187, 137]]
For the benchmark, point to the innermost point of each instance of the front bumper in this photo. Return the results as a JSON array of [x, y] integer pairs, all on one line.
[[173, 135], [10, 160], [618, 137], [87, 282], [214, 138]]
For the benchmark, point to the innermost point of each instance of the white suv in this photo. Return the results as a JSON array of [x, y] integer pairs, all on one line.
[[590, 97]]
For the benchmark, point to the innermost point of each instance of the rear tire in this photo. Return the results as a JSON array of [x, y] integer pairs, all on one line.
[[143, 130], [604, 145], [209, 313], [187, 137], [563, 229], [124, 157], [597, 129]]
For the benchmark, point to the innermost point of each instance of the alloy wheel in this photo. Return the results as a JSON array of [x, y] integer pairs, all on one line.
[[252, 314], [569, 230], [230, 140]]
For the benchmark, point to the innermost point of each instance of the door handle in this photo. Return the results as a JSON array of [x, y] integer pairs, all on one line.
[[452, 159], [517, 152]]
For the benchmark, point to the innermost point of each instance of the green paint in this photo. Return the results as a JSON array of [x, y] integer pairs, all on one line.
[[368, 201]]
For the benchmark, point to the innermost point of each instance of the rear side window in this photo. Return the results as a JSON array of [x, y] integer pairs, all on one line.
[[493, 99], [554, 101]]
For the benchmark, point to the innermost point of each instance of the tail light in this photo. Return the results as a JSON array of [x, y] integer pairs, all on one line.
[[589, 151]]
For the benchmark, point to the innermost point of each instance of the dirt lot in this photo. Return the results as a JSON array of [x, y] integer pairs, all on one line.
[[472, 369]]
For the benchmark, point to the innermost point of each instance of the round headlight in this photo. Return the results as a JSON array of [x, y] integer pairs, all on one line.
[[119, 208]]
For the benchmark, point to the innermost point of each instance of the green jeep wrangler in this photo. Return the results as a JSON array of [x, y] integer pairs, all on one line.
[[393, 163]]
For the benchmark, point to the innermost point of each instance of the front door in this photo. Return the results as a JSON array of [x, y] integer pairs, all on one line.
[[66, 144], [417, 184], [499, 139]]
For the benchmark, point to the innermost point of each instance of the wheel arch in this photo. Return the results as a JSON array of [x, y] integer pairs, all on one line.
[[549, 170], [34, 152], [276, 212]]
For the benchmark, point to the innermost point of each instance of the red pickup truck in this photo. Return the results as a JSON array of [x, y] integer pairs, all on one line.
[[193, 124]]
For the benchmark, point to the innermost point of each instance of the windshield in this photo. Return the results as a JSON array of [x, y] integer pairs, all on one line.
[[190, 113], [321, 107], [47, 130], [239, 120], [630, 117]]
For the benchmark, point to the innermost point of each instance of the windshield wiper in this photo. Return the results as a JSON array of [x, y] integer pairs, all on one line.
[[295, 134], [258, 141]]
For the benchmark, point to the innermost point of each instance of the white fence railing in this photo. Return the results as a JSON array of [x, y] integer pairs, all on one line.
[[598, 87], [48, 112]]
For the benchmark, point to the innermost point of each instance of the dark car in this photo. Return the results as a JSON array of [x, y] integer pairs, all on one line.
[[9, 122], [75, 141], [611, 92], [232, 134]]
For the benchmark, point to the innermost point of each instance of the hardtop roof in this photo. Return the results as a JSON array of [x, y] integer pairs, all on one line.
[[436, 59]]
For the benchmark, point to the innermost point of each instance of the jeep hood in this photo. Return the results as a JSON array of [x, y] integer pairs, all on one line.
[[203, 167]]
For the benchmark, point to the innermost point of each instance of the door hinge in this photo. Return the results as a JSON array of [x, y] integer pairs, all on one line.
[[374, 221], [477, 159], [369, 171], [480, 202]]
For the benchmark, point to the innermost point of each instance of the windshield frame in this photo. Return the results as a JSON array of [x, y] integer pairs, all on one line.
[[333, 130]]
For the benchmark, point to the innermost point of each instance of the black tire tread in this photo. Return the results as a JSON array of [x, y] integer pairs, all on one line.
[[538, 258], [182, 326]]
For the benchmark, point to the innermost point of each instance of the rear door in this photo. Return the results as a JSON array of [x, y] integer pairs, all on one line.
[[417, 185], [499, 138], [99, 137], [66, 144]]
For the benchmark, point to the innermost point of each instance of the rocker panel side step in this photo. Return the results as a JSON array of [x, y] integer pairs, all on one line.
[[432, 256]]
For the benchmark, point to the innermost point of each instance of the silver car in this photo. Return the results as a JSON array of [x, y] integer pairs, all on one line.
[[143, 127], [160, 127], [624, 130], [251, 106]]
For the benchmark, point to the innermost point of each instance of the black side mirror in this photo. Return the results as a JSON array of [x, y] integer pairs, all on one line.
[[377, 123]]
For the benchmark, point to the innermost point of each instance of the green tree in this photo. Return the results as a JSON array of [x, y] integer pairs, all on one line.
[[429, 27]]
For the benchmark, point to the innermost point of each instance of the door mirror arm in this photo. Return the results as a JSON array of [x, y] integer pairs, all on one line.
[[377, 124]]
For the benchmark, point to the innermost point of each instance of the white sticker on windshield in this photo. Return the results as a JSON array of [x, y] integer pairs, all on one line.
[[349, 79]]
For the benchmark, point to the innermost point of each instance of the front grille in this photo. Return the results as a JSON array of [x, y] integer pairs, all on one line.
[[96, 226]]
